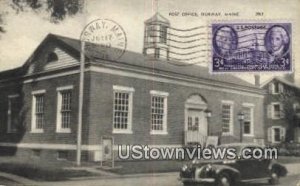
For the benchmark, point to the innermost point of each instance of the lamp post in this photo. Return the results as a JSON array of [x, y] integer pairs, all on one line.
[[208, 115], [241, 117]]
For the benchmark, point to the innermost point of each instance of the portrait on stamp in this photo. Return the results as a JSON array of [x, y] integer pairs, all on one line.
[[277, 41], [225, 40]]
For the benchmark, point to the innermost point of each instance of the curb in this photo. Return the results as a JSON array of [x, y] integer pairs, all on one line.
[[118, 176]]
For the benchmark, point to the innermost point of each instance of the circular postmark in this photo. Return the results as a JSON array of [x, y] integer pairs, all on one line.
[[225, 41], [277, 41], [104, 39]]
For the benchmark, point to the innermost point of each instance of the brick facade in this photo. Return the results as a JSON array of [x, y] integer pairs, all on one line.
[[98, 102]]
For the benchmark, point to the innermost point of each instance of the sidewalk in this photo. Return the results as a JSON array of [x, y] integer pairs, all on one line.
[[293, 168]]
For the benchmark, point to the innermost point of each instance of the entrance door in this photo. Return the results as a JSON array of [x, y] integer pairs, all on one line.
[[196, 121], [196, 127]]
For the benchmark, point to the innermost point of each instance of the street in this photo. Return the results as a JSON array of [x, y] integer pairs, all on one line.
[[163, 180]]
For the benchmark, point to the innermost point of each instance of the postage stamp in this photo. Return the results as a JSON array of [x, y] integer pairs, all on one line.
[[104, 39], [251, 47]]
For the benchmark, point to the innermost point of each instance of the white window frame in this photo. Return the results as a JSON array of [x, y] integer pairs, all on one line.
[[273, 134], [231, 124], [59, 128], [165, 119], [9, 124], [33, 109], [273, 112], [130, 91], [273, 88], [296, 106], [251, 106]]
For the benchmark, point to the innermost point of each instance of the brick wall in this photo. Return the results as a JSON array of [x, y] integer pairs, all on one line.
[[101, 110], [50, 108]]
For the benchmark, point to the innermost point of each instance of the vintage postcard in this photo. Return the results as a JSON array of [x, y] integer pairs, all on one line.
[[149, 92]]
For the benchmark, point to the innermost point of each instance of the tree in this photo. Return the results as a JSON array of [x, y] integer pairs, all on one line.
[[57, 10], [290, 99]]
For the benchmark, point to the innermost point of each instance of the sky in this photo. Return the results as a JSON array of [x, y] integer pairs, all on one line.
[[25, 31]]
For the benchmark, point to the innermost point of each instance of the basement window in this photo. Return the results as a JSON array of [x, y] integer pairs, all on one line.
[[36, 153], [62, 155]]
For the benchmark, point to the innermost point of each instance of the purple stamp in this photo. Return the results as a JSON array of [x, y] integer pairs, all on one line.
[[251, 47]]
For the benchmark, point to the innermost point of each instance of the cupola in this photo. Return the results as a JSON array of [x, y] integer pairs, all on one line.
[[156, 37]]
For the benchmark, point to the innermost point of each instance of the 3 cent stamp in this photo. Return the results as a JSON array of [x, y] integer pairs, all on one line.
[[104, 39], [251, 47]]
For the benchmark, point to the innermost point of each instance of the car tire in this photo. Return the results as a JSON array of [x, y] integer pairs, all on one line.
[[224, 180], [274, 180]]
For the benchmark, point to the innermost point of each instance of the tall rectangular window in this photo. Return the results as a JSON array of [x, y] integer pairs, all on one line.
[[13, 113], [163, 34], [275, 88], [151, 33], [158, 112], [227, 117], [38, 111], [248, 119], [277, 137], [122, 109], [276, 134], [276, 110], [64, 109]]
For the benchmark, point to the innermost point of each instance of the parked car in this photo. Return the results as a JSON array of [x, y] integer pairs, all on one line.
[[232, 172]]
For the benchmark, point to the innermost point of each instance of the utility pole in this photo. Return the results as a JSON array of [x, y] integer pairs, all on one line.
[[80, 102]]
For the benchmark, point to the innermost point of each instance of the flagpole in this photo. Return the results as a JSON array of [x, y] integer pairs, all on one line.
[[80, 104]]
